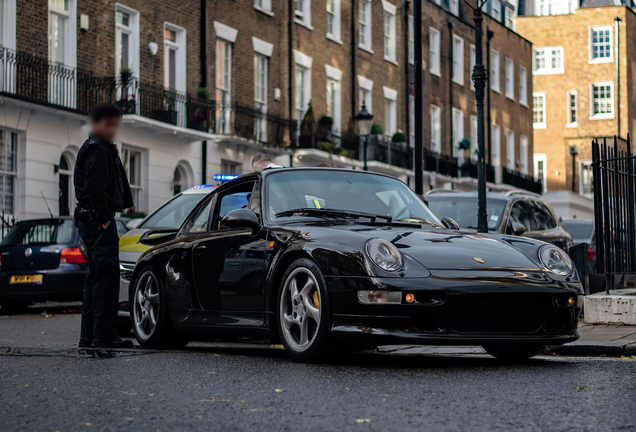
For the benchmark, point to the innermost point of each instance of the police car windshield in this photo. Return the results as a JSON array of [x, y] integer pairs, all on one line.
[[342, 194], [173, 213]]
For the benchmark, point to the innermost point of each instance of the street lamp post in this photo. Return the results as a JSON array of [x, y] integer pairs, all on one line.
[[574, 154], [479, 78], [363, 124]]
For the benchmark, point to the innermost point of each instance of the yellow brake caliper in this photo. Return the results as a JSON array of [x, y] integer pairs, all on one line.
[[315, 299]]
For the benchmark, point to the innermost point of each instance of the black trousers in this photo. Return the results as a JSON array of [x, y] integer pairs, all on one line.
[[101, 289]]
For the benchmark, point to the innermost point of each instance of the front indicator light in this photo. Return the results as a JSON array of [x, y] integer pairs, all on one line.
[[380, 297], [572, 301], [410, 298]]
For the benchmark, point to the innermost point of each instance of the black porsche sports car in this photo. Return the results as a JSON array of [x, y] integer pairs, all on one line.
[[321, 258]]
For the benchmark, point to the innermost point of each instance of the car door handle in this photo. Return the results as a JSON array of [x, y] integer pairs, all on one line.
[[200, 247]]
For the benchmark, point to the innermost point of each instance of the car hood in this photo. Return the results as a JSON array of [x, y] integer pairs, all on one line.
[[129, 247], [442, 249]]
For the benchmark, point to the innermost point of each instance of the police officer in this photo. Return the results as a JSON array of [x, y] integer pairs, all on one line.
[[101, 189]]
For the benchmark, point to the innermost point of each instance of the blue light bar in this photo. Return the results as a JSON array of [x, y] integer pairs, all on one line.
[[225, 177]]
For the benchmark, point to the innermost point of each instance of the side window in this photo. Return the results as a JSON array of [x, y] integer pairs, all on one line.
[[521, 212], [547, 214], [200, 222], [255, 199], [238, 197]]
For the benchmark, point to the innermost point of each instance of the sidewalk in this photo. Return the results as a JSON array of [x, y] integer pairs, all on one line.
[[599, 339]]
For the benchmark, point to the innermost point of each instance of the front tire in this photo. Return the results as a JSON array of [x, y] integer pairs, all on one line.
[[513, 353], [304, 312], [151, 321]]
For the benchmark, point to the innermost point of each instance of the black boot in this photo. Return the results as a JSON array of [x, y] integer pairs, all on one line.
[[113, 343], [85, 342]]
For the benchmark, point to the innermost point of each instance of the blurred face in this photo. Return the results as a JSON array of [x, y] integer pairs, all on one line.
[[106, 128]]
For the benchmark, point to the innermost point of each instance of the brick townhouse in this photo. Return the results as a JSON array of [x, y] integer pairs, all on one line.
[[204, 85], [583, 74]]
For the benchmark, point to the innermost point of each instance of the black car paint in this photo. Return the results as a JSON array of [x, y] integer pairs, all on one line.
[[61, 282], [439, 267]]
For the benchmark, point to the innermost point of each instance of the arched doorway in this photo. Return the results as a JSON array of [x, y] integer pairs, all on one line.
[[65, 185], [182, 179]]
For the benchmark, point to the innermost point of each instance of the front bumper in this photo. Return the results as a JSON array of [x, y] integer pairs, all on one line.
[[65, 283], [456, 312]]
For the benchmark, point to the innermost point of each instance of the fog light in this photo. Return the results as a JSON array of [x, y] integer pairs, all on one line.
[[410, 298], [572, 301], [384, 297]]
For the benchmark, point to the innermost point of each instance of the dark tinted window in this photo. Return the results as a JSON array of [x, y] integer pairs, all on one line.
[[235, 198], [199, 223], [524, 213], [41, 232], [579, 230], [550, 220], [464, 210], [173, 213]]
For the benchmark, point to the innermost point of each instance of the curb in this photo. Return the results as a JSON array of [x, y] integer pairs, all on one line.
[[614, 349]]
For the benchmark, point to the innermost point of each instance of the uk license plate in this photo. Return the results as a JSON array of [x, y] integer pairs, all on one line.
[[28, 278]]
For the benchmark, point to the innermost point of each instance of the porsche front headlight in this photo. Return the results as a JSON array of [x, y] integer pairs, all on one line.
[[384, 254], [555, 260]]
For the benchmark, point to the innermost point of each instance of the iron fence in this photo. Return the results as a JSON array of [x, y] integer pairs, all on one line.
[[469, 169], [614, 179], [442, 164], [254, 124], [521, 181]]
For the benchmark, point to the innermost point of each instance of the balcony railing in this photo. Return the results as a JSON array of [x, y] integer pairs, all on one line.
[[442, 164], [469, 169], [253, 124], [513, 178]]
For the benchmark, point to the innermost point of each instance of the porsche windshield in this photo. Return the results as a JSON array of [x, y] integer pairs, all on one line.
[[325, 193]]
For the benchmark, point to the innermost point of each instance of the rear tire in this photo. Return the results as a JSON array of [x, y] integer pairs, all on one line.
[[304, 312], [150, 317], [13, 307], [513, 353]]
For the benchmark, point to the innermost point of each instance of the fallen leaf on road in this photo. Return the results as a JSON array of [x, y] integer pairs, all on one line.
[[209, 399], [363, 421], [631, 357], [151, 394], [257, 409], [130, 418], [580, 388], [279, 390]]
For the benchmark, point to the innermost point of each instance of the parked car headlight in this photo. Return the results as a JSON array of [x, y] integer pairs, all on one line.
[[555, 260], [384, 254]]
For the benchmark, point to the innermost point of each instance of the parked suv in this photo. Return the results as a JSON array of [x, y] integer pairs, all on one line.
[[518, 213]]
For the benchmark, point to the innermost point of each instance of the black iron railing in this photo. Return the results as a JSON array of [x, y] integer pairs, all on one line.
[[469, 169], [254, 124], [441, 164], [614, 185], [382, 150], [521, 181]]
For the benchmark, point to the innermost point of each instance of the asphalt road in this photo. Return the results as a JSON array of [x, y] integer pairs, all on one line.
[[46, 384]]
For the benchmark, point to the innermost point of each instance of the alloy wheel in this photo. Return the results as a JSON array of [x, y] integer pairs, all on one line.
[[300, 311], [146, 305]]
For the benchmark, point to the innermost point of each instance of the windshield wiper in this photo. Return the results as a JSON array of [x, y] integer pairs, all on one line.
[[334, 213]]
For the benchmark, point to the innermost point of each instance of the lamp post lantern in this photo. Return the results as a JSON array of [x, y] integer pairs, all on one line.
[[363, 124], [479, 78]]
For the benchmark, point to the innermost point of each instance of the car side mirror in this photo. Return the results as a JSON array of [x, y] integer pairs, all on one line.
[[518, 228], [134, 223], [450, 224], [242, 218]]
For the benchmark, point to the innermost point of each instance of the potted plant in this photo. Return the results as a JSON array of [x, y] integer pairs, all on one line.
[[325, 124], [200, 111], [168, 114], [308, 129], [350, 145], [126, 103]]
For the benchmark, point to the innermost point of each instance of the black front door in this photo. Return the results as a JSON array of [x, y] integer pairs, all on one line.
[[229, 264]]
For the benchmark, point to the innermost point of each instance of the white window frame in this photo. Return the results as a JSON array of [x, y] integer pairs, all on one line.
[[335, 15], [8, 25], [473, 138], [495, 72], [601, 116], [389, 31], [133, 40], [509, 17], [364, 25], [365, 93], [472, 59], [609, 59], [510, 79], [390, 111], [453, 5], [301, 104], [264, 6], [572, 112], [510, 150], [334, 76], [261, 66], [411, 40], [495, 11], [495, 130], [543, 110], [436, 128], [523, 154], [434, 43], [11, 149], [458, 60], [554, 7], [543, 158], [523, 86], [180, 47], [136, 185], [458, 132], [302, 16], [70, 33], [585, 169], [549, 54]]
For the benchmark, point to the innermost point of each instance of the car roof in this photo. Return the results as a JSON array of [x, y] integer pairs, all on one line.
[[577, 222], [504, 196], [201, 189], [45, 219]]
